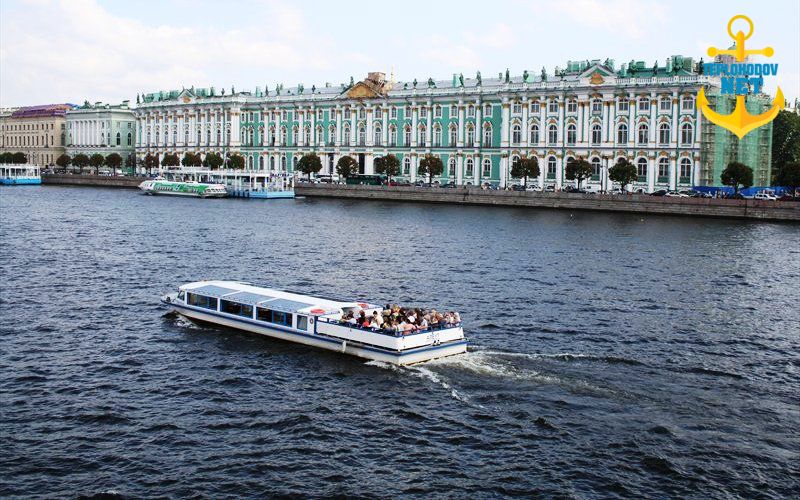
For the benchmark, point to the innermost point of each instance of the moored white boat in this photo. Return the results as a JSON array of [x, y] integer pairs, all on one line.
[[310, 320], [15, 175], [176, 188]]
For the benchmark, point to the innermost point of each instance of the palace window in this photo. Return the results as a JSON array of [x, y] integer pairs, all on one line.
[[516, 108], [644, 104], [453, 139], [295, 135], [663, 133], [320, 114], [470, 135], [597, 106], [534, 134], [643, 133], [130, 138], [572, 134], [423, 112], [552, 135], [407, 112], [377, 135], [470, 165], [470, 111], [320, 138], [687, 133], [437, 135], [552, 106], [686, 169], [392, 135], [306, 135], [421, 136], [437, 111], [331, 135], [687, 103], [453, 111], [487, 136], [622, 133], [406, 165], [516, 134], [596, 168], [551, 167], [362, 136], [451, 167], [362, 113], [641, 169], [487, 110], [572, 106], [119, 138], [393, 112], [663, 169], [378, 113], [284, 114], [487, 167], [346, 113], [535, 107], [407, 136], [597, 134], [664, 104]]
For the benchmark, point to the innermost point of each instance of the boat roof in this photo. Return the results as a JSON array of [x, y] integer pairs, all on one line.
[[276, 300]]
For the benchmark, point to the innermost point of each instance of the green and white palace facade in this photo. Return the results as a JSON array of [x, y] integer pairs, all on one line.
[[477, 126]]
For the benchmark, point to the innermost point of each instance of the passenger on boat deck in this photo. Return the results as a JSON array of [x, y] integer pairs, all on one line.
[[377, 320]]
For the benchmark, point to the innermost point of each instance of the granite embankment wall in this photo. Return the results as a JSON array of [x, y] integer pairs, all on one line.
[[118, 181], [642, 204]]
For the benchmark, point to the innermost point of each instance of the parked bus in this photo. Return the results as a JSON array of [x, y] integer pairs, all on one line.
[[371, 180]]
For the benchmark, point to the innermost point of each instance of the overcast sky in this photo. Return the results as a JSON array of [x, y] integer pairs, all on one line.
[[97, 50]]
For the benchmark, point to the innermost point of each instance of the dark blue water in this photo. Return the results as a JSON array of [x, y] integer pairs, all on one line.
[[612, 355]]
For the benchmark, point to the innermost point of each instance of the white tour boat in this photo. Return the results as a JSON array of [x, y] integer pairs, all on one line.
[[310, 320], [176, 188], [15, 175]]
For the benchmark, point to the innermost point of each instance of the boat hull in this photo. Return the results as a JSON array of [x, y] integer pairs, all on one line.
[[20, 181], [407, 357]]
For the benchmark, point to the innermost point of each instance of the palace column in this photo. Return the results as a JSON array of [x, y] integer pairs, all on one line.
[[385, 126], [314, 139], [651, 173], [672, 178], [459, 169], [461, 125], [414, 119], [338, 135], [369, 129], [525, 125], [504, 117], [429, 125], [353, 127]]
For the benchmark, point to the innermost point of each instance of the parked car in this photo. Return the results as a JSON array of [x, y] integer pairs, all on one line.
[[550, 189], [676, 194], [518, 187], [660, 192], [765, 196], [449, 185]]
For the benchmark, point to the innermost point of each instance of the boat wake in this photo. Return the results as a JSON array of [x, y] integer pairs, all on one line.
[[181, 321], [422, 372]]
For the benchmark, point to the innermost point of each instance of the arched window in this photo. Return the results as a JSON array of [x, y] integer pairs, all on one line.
[[406, 165], [250, 163], [331, 135], [516, 134], [362, 136], [252, 137], [572, 134], [102, 138], [663, 169], [686, 171], [642, 135], [641, 169], [470, 135], [392, 135], [622, 133], [514, 160], [407, 136], [307, 135], [119, 138], [272, 163], [534, 134], [453, 139], [437, 135], [596, 168], [320, 138], [487, 167], [451, 167], [470, 167], [551, 167], [421, 136], [283, 164], [487, 136], [487, 110], [597, 134], [283, 141], [552, 134], [295, 135], [377, 135], [261, 163], [663, 133], [686, 134], [346, 135]]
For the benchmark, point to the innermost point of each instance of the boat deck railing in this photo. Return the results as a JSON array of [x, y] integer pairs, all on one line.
[[390, 333]]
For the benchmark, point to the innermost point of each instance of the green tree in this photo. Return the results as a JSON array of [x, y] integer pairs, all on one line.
[[19, 158], [737, 174], [191, 160], [346, 166], [96, 161], [170, 160], [150, 162], [6, 157], [236, 161], [388, 165], [213, 161], [81, 161], [785, 140], [789, 176], [623, 172], [578, 170], [309, 164], [431, 166], [114, 160], [524, 168], [63, 161]]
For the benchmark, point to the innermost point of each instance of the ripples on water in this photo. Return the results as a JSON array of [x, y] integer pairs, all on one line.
[[611, 355]]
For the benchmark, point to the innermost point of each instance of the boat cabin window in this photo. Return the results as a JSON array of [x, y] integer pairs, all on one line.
[[302, 322], [277, 317], [202, 301], [181, 295], [236, 308]]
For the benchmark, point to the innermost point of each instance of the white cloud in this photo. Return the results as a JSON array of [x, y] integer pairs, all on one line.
[[623, 18]]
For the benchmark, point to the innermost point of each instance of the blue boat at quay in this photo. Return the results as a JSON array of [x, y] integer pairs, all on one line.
[[311, 321], [18, 175]]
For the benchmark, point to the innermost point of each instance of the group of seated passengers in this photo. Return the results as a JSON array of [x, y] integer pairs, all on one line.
[[398, 320]]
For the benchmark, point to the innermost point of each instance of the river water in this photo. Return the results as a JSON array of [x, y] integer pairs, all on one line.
[[611, 354]]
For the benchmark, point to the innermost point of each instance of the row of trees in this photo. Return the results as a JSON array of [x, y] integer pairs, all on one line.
[[15, 158], [95, 161], [388, 165]]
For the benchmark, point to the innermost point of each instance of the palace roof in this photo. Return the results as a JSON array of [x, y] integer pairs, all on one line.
[[43, 110]]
